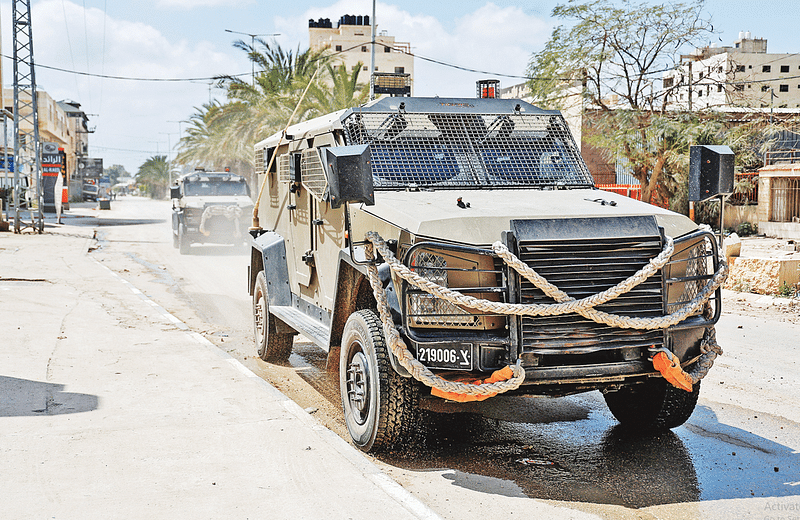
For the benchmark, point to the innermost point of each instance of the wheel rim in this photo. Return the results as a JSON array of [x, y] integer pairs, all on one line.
[[358, 379], [259, 317]]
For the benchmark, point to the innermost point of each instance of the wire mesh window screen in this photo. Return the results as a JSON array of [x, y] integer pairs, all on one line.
[[312, 173], [261, 167], [285, 170], [468, 150]]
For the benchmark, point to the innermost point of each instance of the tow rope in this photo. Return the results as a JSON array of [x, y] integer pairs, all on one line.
[[565, 304], [232, 212]]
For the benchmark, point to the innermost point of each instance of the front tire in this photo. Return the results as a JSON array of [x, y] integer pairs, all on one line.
[[652, 405], [272, 346], [183, 240], [380, 406]]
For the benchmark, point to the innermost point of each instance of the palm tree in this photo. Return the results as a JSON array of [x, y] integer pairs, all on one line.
[[223, 134], [153, 176], [341, 91]]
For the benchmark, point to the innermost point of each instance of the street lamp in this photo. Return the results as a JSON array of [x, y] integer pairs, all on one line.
[[252, 48]]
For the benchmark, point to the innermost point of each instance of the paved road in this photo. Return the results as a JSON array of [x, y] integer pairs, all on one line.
[[737, 457]]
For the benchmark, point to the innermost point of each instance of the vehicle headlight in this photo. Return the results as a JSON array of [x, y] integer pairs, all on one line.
[[688, 271], [472, 274], [193, 215]]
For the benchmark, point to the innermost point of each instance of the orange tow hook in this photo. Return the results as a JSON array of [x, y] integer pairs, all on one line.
[[666, 363]]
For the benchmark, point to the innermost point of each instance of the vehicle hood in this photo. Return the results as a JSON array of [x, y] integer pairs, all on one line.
[[201, 202], [436, 214]]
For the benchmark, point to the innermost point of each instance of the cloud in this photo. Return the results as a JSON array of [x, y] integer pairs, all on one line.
[[491, 38], [191, 4], [130, 116], [138, 115]]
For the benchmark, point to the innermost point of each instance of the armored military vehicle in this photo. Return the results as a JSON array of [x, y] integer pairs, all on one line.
[[438, 240], [210, 207]]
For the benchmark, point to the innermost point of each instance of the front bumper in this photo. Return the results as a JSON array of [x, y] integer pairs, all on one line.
[[569, 352]]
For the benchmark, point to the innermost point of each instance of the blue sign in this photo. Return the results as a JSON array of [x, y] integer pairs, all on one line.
[[10, 163]]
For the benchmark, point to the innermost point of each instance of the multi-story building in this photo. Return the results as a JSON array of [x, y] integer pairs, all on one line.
[[61, 123], [350, 41], [731, 78]]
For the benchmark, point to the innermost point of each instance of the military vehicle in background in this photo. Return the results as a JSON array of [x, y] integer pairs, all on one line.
[[210, 207]]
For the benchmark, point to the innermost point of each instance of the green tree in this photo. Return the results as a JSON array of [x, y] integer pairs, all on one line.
[[614, 50], [114, 173], [655, 147], [223, 134], [341, 91], [153, 176]]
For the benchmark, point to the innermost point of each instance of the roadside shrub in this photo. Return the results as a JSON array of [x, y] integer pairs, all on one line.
[[788, 291], [707, 213], [746, 229]]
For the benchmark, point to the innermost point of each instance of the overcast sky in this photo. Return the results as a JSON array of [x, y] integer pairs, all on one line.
[[186, 39]]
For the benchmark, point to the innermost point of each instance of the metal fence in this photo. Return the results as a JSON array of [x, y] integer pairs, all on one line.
[[785, 195], [782, 156], [745, 189], [633, 191]]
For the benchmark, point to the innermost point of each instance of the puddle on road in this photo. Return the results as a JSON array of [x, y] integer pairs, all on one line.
[[571, 449]]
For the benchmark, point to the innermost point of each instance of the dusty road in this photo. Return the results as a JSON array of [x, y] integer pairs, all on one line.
[[737, 457]]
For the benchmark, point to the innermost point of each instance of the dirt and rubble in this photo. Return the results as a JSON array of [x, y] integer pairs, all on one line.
[[757, 283]]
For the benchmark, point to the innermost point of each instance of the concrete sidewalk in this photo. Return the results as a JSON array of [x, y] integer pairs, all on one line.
[[111, 408]]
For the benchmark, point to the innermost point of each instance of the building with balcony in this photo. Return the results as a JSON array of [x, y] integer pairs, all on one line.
[[350, 42], [61, 123]]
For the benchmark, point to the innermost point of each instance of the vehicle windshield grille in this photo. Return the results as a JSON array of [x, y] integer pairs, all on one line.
[[215, 188], [468, 150]]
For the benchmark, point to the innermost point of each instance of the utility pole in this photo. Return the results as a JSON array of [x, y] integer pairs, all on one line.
[[372, 58], [771, 97], [169, 150], [27, 157], [691, 77], [252, 49]]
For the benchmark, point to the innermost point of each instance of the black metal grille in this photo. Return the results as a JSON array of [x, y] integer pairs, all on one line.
[[582, 268], [468, 150]]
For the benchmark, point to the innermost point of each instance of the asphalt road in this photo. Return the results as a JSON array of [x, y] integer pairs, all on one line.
[[737, 457]]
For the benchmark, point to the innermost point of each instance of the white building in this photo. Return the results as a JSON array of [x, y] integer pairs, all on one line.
[[350, 41], [731, 78]]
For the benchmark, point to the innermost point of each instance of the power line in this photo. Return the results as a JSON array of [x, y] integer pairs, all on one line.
[[129, 78]]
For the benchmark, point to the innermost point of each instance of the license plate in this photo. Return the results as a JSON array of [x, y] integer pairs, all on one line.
[[459, 358]]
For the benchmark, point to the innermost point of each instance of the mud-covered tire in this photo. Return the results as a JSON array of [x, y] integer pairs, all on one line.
[[183, 240], [380, 407], [271, 346], [652, 405]]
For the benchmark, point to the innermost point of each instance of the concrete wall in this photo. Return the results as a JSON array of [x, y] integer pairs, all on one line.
[[735, 215]]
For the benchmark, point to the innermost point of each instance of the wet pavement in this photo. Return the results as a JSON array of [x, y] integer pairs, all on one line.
[[571, 449]]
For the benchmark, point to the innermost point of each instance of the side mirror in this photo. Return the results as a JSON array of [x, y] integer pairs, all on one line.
[[349, 173], [175, 192]]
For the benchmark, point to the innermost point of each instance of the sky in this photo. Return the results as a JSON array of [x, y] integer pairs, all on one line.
[[187, 40]]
